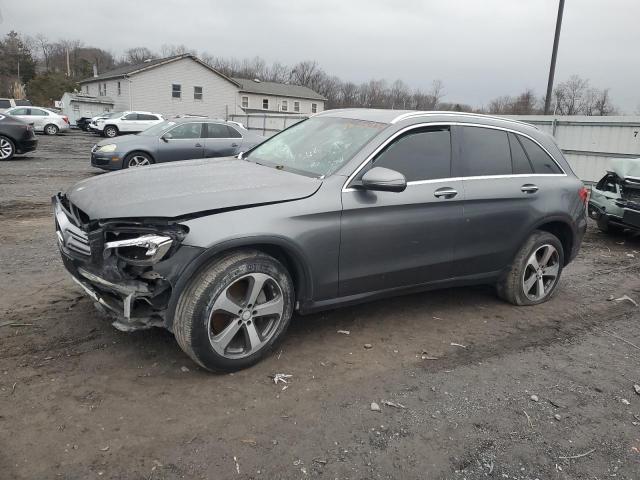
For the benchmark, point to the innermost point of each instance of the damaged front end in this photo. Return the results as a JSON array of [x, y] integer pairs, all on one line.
[[129, 267], [629, 201]]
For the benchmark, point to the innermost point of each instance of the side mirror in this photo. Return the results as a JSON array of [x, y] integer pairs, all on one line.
[[384, 180], [166, 137]]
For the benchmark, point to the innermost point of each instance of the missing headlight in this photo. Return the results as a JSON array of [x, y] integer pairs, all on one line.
[[141, 250]]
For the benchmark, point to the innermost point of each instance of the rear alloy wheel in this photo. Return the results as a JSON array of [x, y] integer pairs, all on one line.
[[137, 160], [235, 311], [534, 274], [51, 129], [7, 149], [110, 131]]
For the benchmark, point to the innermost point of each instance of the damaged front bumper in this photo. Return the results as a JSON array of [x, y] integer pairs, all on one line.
[[128, 267]]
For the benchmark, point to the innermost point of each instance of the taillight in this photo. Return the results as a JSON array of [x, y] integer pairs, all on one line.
[[66, 119], [584, 194]]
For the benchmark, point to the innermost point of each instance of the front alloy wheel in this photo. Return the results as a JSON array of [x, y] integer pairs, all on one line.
[[138, 160], [541, 273], [234, 311]]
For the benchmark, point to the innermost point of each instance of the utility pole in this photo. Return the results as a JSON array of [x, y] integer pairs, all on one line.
[[554, 55]]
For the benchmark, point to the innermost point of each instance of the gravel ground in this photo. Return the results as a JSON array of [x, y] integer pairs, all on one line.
[[468, 386]]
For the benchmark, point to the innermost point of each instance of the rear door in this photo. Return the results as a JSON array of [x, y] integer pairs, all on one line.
[[146, 120], [39, 118], [221, 140], [183, 142], [504, 196], [129, 123], [398, 239]]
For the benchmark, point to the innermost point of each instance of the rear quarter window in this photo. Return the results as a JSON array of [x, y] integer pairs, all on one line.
[[541, 161]]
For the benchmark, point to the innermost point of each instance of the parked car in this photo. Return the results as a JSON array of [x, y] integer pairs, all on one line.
[[93, 122], [347, 206], [615, 200], [180, 139], [126, 122], [7, 103], [16, 136], [43, 119], [83, 123]]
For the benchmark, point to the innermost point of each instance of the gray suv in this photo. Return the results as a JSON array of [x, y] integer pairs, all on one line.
[[347, 206]]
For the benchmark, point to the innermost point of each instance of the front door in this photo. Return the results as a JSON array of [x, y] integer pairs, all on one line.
[[393, 240], [183, 142]]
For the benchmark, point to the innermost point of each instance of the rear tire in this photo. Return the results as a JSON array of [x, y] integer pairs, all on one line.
[[51, 129], [534, 274], [110, 131], [234, 311], [7, 148]]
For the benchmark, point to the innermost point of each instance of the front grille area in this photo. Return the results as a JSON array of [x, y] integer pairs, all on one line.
[[631, 194], [70, 234]]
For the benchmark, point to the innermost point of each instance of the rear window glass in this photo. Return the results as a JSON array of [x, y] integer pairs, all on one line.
[[542, 163], [519, 159], [485, 152]]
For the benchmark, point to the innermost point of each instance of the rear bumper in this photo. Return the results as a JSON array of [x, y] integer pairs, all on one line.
[[24, 146]]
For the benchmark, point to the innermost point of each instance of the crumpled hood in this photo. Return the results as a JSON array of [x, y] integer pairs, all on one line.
[[177, 189], [626, 167]]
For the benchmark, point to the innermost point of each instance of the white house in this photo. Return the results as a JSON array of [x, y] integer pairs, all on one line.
[[183, 84]]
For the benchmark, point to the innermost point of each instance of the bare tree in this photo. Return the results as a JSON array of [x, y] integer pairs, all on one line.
[[46, 49], [172, 50], [138, 55]]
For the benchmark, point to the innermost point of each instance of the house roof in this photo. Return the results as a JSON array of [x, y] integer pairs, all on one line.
[[278, 89], [74, 97], [128, 70]]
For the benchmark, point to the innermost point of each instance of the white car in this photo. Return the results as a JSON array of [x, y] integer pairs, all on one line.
[[42, 119], [126, 122]]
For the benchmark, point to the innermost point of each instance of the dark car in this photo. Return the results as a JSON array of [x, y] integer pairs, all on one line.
[[16, 136], [179, 139], [83, 123], [344, 207]]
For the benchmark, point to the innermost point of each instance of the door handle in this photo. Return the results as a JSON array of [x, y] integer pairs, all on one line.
[[198, 145], [446, 192], [529, 188], [234, 144]]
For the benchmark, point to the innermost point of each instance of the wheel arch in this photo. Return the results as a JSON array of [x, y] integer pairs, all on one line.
[[139, 150], [280, 248], [561, 228]]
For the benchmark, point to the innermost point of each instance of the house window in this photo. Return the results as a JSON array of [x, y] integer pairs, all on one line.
[[296, 106], [314, 108], [176, 90], [245, 102], [197, 93], [119, 89], [285, 106], [104, 89], [86, 89], [265, 104], [76, 107]]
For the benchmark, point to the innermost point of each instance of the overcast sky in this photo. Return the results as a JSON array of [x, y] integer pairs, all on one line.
[[480, 49]]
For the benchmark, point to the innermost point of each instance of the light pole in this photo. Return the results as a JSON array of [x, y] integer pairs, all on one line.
[[554, 55]]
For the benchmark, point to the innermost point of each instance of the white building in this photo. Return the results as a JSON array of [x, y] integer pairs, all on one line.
[[76, 105], [185, 85]]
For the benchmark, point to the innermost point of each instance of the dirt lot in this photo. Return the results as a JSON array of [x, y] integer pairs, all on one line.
[[80, 400]]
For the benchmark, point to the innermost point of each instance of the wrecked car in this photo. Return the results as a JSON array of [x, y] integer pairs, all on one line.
[[615, 200], [344, 207]]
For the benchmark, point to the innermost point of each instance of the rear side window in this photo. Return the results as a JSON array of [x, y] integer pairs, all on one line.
[[519, 159], [485, 151], [131, 116], [419, 155], [146, 116], [233, 133], [39, 113], [542, 163], [217, 130]]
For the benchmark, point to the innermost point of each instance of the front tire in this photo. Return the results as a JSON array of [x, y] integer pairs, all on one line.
[[533, 275], [110, 131], [51, 129], [234, 311], [137, 159], [7, 148]]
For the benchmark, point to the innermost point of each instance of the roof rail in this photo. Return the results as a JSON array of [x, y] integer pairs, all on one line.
[[404, 116]]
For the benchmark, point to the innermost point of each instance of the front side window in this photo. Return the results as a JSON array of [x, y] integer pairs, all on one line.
[[245, 102], [419, 155], [176, 90], [296, 106], [19, 111], [485, 151], [197, 93], [542, 163], [285, 106], [314, 108], [318, 146], [186, 131], [265, 103]]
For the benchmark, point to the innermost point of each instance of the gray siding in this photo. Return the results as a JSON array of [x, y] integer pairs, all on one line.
[[275, 103], [121, 101], [151, 90]]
